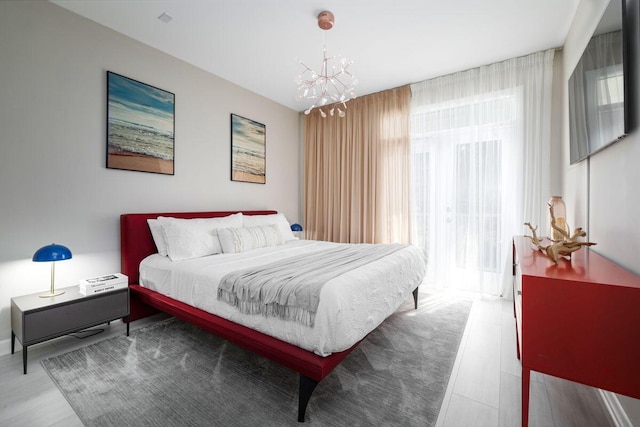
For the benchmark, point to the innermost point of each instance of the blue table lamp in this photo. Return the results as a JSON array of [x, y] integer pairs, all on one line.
[[52, 253], [297, 230]]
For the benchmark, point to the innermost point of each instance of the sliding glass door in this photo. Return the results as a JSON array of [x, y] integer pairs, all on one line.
[[460, 200]]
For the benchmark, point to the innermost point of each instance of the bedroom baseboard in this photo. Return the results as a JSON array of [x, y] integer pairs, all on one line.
[[617, 412]]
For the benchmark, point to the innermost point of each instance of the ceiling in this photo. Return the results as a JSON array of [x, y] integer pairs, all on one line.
[[256, 44]]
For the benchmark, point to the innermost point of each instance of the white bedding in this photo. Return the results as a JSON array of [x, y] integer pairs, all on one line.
[[351, 305]]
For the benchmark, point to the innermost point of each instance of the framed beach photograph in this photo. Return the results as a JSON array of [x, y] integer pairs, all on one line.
[[248, 150], [140, 126]]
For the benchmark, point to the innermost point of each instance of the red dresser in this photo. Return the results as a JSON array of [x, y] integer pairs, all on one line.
[[578, 320]]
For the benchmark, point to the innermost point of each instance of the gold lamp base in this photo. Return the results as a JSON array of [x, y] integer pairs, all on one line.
[[51, 294]]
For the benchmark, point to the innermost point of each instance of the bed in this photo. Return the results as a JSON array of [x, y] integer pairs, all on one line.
[[313, 359]]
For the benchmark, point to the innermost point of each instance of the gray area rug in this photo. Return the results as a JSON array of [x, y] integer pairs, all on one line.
[[174, 374]]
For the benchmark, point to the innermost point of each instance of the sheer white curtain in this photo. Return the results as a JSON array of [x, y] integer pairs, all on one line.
[[480, 168]]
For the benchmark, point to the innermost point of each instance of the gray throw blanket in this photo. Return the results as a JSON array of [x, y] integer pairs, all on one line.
[[290, 288]]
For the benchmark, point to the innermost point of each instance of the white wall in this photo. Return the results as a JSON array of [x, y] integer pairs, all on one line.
[[54, 186], [604, 189], [557, 107], [615, 174]]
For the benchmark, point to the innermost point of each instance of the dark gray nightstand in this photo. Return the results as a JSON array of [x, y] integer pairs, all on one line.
[[35, 319]]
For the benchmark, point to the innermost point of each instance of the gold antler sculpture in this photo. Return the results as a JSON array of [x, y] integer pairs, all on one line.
[[564, 247]]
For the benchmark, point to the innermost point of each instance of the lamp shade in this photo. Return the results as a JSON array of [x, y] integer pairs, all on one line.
[[296, 227], [52, 252]]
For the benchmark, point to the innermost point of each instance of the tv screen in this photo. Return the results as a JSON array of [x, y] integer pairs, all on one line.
[[597, 113]]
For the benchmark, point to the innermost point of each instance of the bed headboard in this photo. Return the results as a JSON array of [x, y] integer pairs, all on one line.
[[136, 242]]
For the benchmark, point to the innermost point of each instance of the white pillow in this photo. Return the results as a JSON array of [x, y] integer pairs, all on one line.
[[278, 219], [158, 236], [234, 240], [196, 237]]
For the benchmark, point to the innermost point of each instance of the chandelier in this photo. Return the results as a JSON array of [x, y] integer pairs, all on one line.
[[332, 86]]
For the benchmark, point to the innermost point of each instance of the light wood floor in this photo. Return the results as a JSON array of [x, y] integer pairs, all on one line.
[[484, 389]]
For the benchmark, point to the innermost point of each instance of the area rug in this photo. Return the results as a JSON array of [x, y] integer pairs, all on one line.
[[174, 374]]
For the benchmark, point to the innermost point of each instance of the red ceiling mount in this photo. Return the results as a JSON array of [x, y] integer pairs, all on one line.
[[325, 20]]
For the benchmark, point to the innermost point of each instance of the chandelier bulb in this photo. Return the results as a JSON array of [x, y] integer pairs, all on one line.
[[332, 83]]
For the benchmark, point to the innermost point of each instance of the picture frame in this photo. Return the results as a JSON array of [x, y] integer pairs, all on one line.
[[248, 150], [140, 126]]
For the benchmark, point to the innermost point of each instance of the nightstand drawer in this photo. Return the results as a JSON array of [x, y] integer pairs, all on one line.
[[35, 319], [41, 325]]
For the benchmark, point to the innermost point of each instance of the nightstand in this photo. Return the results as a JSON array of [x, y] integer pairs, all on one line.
[[35, 319]]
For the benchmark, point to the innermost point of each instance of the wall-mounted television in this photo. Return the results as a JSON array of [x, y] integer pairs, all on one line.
[[597, 88]]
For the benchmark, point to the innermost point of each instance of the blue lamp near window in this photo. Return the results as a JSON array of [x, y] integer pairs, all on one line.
[[52, 253]]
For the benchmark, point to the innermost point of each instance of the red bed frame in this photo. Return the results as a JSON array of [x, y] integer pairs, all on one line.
[[137, 243]]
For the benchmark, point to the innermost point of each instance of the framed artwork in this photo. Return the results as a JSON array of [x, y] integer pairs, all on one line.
[[248, 150], [140, 126]]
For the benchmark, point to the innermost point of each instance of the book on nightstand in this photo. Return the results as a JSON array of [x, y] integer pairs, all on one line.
[[109, 282]]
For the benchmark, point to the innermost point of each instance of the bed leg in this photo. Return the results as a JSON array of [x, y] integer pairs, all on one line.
[[415, 298], [307, 385]]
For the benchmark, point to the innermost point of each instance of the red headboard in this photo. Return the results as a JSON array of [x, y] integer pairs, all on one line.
[[136, 242]]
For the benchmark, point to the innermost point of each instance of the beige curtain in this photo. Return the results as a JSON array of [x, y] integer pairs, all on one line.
[[356, 169]]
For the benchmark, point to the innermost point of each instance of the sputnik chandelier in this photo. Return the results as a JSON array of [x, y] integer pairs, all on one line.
[[332, 87]]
